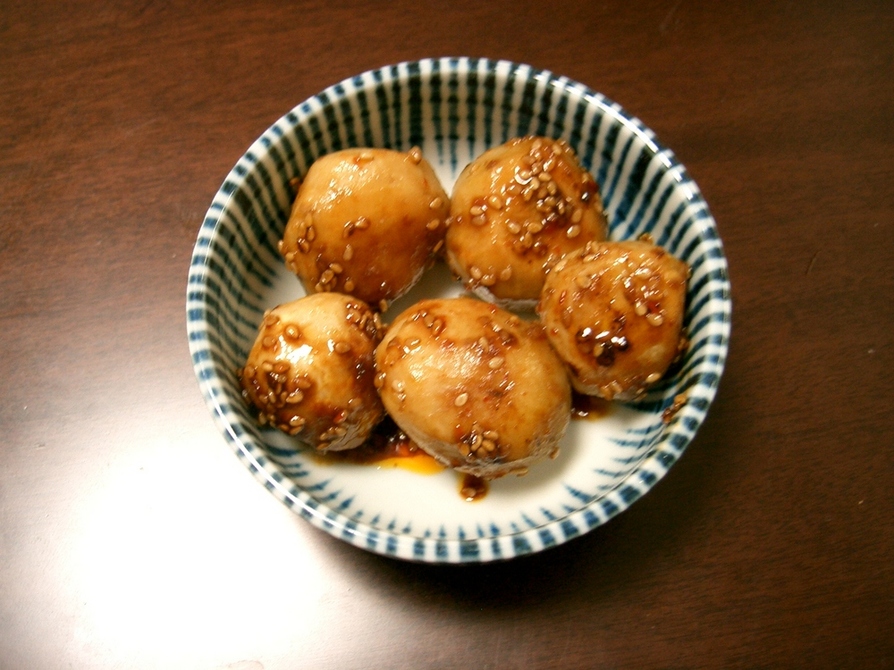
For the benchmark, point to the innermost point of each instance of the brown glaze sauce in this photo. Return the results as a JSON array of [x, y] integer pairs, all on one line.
[[387, 447], [589, 407], [472, 488]]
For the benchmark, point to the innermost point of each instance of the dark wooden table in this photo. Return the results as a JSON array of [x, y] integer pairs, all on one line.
[[132, 537]]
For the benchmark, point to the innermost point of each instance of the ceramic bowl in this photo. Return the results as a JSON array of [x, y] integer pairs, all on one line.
[[454, 109]]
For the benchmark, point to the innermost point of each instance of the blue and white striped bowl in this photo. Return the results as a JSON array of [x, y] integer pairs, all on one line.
[[455, 108]]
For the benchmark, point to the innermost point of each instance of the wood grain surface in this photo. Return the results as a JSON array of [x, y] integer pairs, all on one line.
[[132, 537]]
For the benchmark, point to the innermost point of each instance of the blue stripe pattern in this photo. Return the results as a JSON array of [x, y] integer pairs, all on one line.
[[453, 108]]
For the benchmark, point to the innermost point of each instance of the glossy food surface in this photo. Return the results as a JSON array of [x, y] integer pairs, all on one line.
[[474, 385], [515, 210], [310, 371], [614, 312], [366, 222]]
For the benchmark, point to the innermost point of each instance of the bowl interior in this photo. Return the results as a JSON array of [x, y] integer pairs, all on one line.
[[454, 109]]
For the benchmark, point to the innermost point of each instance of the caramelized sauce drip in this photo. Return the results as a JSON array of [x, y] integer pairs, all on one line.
[[388, 446], [472, 488], [589, 407]]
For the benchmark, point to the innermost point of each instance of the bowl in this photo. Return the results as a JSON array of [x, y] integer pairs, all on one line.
[[454, 109]]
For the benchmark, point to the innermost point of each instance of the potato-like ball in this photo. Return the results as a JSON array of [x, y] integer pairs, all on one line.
[[366, 222], [614, 313], [473, 385], [517, 209], [311, 371]]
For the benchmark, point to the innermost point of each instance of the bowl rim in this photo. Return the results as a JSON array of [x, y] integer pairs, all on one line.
[[455, 550]]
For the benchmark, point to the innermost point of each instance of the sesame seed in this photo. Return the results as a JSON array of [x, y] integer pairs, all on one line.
[[583, 281], [514, 227], [495, 363], [349, 285], [348, 253], [433, 224], [652, 378], [436, 203], [342, 347], [577, 215], [506, 273], [476, 210], [640, 308], [366, 156], [494, 202], [336, 268], [479, 220], [573, 232], [311, 234], [655, 318], [461, 399], [362, 223], [476, 272], [415, 155]]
